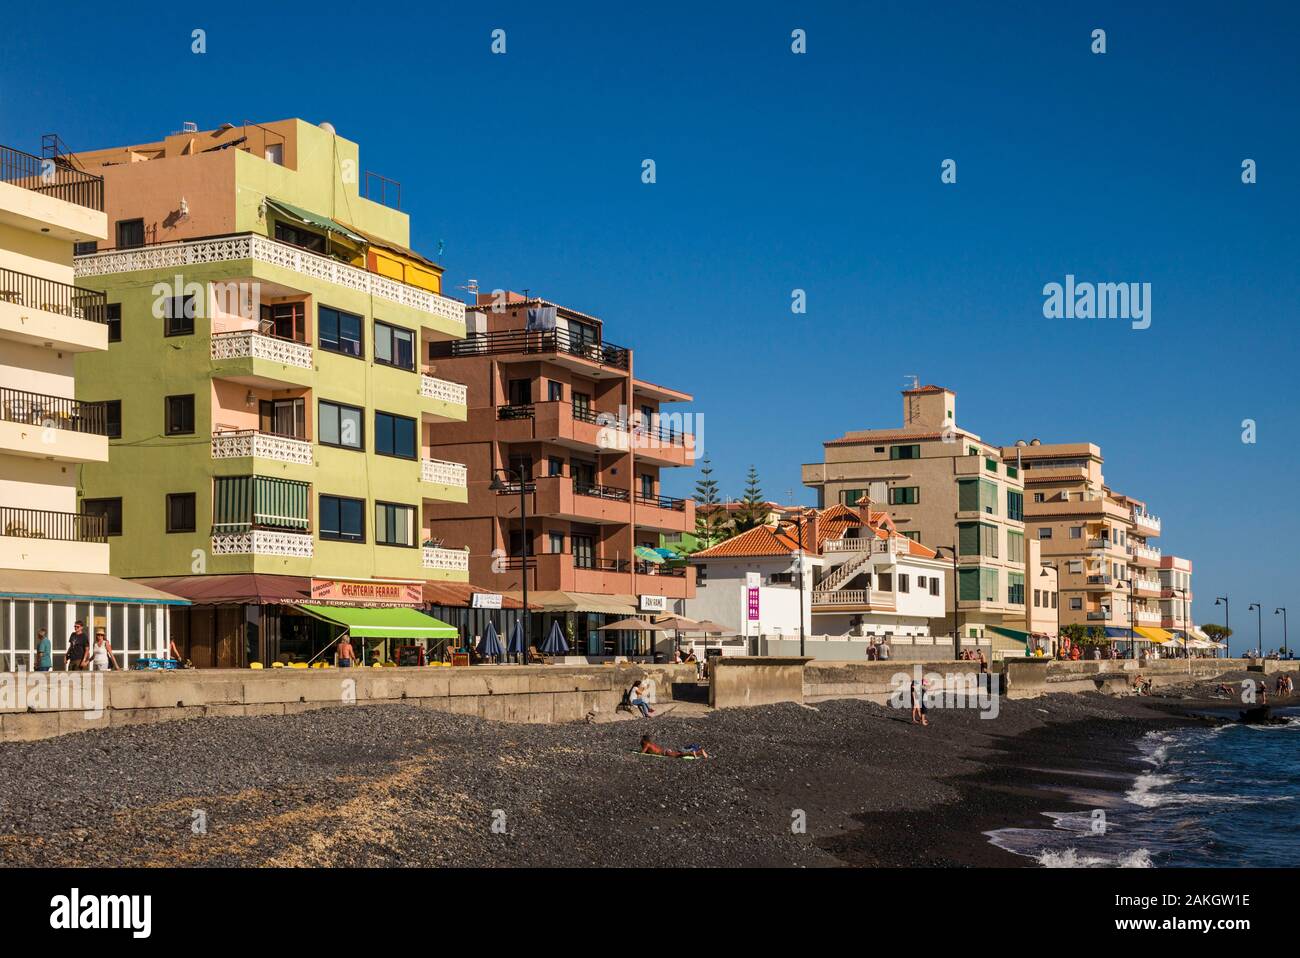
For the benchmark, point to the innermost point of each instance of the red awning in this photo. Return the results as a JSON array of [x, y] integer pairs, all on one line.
[[245, 588], [456, 595]]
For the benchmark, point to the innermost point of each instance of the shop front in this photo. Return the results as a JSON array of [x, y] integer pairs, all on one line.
[[236, 620]]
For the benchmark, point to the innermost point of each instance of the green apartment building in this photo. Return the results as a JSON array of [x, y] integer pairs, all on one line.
[[269, 406]]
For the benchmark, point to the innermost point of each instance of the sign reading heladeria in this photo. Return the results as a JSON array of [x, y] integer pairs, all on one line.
[[366, 590], [485, 600]]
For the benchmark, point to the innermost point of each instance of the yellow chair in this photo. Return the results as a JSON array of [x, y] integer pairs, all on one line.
[[255, 665]]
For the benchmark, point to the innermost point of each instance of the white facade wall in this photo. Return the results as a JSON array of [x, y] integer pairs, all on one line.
[[722, 596]]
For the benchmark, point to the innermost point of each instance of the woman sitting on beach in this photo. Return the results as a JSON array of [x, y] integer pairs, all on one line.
[[636, 698], [648, 747]]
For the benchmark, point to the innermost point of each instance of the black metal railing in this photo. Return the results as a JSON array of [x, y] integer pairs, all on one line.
[[532, 341], [44, 524], [57, 412], [516, 411], [658, 433], [652, 568], [514, 488], [600, 492], [595, 417], [37, 292], [599, 564], [53, 177], [662, 502]]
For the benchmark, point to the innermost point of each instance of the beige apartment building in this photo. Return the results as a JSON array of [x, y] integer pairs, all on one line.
[[54, 559], [1097, 540], [948, 489]]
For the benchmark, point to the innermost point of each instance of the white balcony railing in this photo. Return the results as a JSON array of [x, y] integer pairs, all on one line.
[[1144, 552], [251, 246], [433, 388], [1146, 585], [242, 443], [870, 597], [1144, 520], [248, 344], [450, 560], [1143, 616], [446, 473], [263, 542], [891, 546]]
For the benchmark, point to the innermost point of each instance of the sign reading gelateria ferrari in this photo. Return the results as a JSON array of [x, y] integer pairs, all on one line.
[[357, 591]]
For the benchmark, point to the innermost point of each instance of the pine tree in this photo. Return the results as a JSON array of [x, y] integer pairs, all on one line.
[[709, 514], [753, 508]]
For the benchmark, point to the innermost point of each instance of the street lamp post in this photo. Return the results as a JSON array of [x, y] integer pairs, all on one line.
[[498, 487], [1227, 629], [1259, 626], [956, 626], [1282, 612], [799, 558], [1132, 641]]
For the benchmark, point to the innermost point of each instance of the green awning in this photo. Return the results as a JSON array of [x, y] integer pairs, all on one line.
[[1018, 635], [383, 623], [314, 219]]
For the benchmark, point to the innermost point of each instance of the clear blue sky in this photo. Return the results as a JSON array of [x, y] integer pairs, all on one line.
[[820, 172]]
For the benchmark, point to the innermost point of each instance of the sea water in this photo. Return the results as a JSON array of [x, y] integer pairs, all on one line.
[[1207, 796]]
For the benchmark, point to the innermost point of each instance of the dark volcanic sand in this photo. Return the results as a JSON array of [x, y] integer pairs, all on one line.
[[400, 785]]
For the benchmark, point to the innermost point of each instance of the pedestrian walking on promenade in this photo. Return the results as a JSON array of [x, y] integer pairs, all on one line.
[[74, 660], [100, 656]]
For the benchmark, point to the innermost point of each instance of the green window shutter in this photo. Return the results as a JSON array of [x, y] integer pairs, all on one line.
[[281, 503], [232, 504], [988, 497], [1016, 588], [989, 584], [968, 538], [1015, 546], [988, 541], [968, 495], [968, 581]]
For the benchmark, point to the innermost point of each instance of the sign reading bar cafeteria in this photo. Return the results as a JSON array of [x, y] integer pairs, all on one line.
[[366, 590]]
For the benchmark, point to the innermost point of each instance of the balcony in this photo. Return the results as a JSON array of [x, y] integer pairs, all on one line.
[[1146, 617], [1098, 616], [249, 443], [1146, 587], [447, 401], [664, 513], [44, 312], [50, 196], [259, 249], [43, 539], [855, 599], [581, 427], [1146, 523], [263, 542], [577, 352], [253, 359], [450, 475], [38, 426], [1146, 556], [891, 546], [51, 177], [445, 560]]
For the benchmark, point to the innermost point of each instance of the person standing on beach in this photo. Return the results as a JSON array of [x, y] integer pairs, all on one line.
[[918, 703]]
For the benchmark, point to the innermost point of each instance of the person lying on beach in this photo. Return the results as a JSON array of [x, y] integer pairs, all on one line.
[[648, 747]]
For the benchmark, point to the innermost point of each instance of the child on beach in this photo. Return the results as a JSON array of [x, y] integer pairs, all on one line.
[[918, 704]]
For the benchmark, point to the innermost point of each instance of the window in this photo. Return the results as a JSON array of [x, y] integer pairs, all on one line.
[[274, 153], [1045, 532], [110, 509], [554, 391], [114, 322], [555, 543], [1013, 472], [1039, 497], [991, 464], [780, 578], [86, 248], [879, 448], [581, 406], [1076, 604], [850, 497], [340, 332], [584, 553], [130, 234], [1015, 546], [701, 573], [1054, 595], [283, 417], [394, 524], [934, 585], [555, 466], [913, 534], [180, 512], [977, 495], [178, 316], [394, 346], [395, 436], [341, 426], [1015, 505], [113, 418], [1076, 532], [647, 486], [977, 585], [904, 584], [285, 321], [1038, 595], [904, 495], [305, 239], [1015, 588], [904, 452], [179, 415], [977, 539], [342, 520], [1076, 566]]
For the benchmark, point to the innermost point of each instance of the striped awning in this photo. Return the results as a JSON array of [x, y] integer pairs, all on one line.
[[239, 502]]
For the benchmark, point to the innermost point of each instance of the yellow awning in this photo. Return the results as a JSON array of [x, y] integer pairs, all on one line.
[[1155, 635]]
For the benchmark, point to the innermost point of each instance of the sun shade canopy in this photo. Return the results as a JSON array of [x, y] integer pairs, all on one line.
[[314, 219], [383, 623], [1155, 635]]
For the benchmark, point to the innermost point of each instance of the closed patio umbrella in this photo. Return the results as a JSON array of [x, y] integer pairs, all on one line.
[[489, 646], [517, 645], [554, 643]]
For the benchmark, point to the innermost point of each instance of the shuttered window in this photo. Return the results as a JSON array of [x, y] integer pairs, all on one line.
[[241, 502]]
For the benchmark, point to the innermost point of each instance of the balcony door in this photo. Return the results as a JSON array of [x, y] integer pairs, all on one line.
[[583, 473], [520, 392], [285, 321], [284, 417]]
